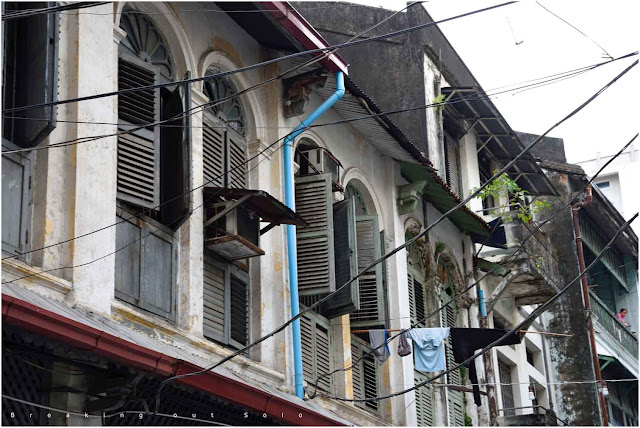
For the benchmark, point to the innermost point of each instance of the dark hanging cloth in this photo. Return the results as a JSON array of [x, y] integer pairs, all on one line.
[[465, 341]]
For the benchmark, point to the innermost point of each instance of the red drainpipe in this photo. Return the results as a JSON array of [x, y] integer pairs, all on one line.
[[587, 304]]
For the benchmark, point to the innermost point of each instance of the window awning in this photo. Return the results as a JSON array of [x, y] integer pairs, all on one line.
[[437, 192], [268, 208], [497, 141]]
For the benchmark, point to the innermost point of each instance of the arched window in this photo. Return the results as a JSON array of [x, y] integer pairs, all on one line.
[[152, 159], [153, 167], [455, 402], [225, 146]]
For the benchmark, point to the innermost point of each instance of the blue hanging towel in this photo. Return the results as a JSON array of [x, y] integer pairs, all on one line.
[[428, 348]]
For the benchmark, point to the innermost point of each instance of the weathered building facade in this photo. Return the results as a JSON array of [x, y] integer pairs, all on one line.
[[159, 248]]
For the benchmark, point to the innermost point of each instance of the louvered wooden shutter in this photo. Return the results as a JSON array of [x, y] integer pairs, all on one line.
[[455, 402], [346, 261], [372, 305], [213, 150], [214, 308], [425, 404], [225, 303], [365, 374], [452, 166], [145, 265], [174, 162], [30, 73], [315, 242], [239, 312], [237, 160], [138, 152], [16, 173], [316, 349]]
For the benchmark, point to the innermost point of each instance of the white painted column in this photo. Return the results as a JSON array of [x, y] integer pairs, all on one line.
[[191, 250], [95, 163], [470, 170], [401, 369]]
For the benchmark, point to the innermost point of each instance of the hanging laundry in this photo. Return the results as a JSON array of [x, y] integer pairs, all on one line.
[[428, 348], [465, 341], [376, 339], [404, 348]]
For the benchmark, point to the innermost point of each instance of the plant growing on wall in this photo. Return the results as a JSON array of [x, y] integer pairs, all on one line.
[[439, 103], [504, 189]]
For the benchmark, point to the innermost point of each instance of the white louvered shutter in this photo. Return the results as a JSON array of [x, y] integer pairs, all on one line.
[[138, 151], [425, 404], [370, 284], [316, 273], [365, 374], [213, 150], [316, 350]]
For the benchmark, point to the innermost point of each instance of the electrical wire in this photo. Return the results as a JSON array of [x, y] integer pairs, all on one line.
[[386, 113], [397, 249], [311, 61], [31, 12], [552, 78], [493, 269], [210, 197], [575, 28], [257, 65], [534, 314]]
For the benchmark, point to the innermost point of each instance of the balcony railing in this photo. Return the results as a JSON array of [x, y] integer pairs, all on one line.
[[612, 325]]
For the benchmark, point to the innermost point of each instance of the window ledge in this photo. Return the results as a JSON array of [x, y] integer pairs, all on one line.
[[350, 411], [164, 331], [42, 282]]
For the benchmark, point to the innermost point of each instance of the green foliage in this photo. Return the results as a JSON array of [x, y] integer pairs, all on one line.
[[439, 102], [467, 421], [504, 188], [440, 247]]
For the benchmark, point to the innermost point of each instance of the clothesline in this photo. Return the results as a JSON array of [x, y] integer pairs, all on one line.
[[520, 331]]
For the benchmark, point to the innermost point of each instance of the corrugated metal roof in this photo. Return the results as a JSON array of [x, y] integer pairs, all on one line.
[[185, 352], [380, 131], [498, 142]]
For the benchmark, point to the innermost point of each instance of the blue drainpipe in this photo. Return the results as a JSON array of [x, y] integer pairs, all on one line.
[[289, 198]]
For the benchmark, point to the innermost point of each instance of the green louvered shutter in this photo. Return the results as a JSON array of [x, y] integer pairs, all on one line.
[[365, 374], [372, 305], [316, 273], [346, 262], [214, 308], [144, 274], [316, 349], [138, 151], [225, 303], [425, 403], [212, 150], [455, 402], [238, 315], [237, 160]]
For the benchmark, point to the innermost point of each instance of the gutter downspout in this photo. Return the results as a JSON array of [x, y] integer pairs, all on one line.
[[289, 197], [587, 304]]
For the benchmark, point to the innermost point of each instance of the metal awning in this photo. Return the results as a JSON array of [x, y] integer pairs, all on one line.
[[263, 204], [443, 199], [497, 142]]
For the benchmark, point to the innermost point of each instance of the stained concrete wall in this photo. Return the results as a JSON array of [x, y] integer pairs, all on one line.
[[570, 357]]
